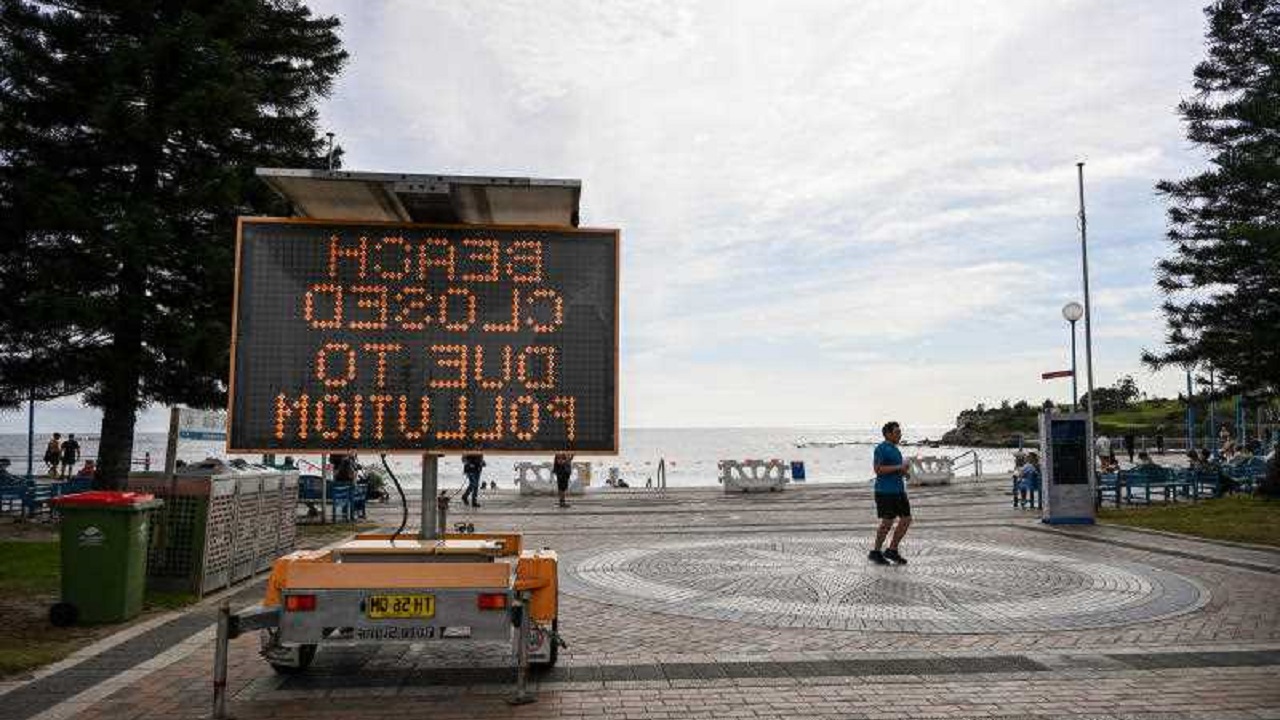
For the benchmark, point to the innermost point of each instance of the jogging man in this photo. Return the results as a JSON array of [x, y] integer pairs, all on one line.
[[891, 495]]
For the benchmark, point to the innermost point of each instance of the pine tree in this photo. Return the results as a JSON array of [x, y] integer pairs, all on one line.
[[129, 134], [1222, 282]]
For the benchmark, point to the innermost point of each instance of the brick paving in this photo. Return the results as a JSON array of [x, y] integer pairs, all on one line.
[[1111, 624]]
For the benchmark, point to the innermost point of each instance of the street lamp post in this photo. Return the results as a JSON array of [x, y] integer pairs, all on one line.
[[1088, 313], [31, 435], [1191, 415], [1072, 312], [1212, 441]]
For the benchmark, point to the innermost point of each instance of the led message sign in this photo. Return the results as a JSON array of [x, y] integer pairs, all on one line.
[[400, 338]]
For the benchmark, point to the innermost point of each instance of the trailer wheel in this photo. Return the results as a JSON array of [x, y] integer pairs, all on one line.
[[554, 655], [306, 653]]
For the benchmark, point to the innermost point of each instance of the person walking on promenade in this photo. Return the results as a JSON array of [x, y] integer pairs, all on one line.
[[1160, 439], [53, 455], [472, 465], [1130, 443], [70, 454], [562, 468], [890, 495]]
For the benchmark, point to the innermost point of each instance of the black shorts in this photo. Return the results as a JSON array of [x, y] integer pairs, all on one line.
[[562, 483], [892, 505]]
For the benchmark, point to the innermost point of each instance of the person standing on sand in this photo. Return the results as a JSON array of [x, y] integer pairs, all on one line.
[[70, 454], [890, 495], [53, 455], [562, 468]]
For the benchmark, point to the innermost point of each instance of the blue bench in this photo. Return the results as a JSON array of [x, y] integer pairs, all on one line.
[[345, 498], [1247, 474], [348, 499], [35, 501], [11, 497], [1146, 478], [1109, 485], [73, 486]]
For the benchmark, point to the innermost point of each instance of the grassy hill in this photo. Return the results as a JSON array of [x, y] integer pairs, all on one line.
[[999, 427]]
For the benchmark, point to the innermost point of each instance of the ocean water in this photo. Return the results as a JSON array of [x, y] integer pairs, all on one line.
[[690, 454]]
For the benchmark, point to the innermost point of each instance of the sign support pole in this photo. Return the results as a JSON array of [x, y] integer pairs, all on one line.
[[430, 479], [171, 448]]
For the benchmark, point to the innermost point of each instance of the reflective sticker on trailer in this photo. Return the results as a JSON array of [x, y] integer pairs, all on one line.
[[395, 633]]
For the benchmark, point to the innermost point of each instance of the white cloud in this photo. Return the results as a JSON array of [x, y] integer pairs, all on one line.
[[870, 206]]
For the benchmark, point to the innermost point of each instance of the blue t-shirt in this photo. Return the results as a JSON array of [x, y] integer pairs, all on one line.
[[887, 454]]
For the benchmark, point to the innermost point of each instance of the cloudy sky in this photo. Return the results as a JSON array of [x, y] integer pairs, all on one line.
[[832, 212]]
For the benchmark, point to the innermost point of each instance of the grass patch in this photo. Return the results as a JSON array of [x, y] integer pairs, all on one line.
[[29, 567], [1144, 417], [29, 584], [1238, 518], [28, 655], [30, 574]]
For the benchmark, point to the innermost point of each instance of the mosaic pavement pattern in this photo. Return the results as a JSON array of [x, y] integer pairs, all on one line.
[[947, 587]]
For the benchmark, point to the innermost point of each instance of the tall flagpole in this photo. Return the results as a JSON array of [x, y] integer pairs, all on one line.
[[1088, 311]]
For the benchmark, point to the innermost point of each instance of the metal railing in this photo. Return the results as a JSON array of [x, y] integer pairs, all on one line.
[[974, 461]]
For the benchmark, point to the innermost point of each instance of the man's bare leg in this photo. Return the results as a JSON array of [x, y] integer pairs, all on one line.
[[898, 532], [883, 531]]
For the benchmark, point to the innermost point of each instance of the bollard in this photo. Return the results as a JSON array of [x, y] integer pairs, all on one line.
[[220, 651]]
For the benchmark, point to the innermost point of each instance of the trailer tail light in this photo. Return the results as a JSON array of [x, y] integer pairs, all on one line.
[[492, 601], [300, 603]]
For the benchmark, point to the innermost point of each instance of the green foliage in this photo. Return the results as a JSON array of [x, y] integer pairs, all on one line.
[[1237, 518], [1121, 395], [1006, 419], [129, 134], [1222, 282]]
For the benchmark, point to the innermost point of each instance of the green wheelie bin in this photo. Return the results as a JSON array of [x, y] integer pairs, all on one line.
[[104, 556]]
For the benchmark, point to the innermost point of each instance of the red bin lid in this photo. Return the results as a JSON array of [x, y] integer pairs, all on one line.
[[103, 498]]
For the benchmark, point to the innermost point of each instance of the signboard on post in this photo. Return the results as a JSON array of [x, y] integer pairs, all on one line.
[[202, 424], [389, 337]]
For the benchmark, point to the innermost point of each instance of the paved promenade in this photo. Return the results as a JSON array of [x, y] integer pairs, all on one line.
[[692, 604]]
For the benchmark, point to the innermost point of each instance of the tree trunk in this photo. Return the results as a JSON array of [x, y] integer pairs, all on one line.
[[115, 451], [120, 386]]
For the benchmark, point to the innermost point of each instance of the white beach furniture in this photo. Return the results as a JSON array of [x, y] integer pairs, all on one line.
[[931, 470], [752, 475], [536, 478]]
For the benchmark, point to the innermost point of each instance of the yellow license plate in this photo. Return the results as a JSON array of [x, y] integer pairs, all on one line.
[[377, 607]]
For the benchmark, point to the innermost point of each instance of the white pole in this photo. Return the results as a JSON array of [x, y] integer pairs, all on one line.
[[1088, 312]]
